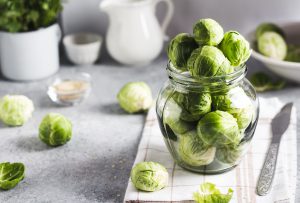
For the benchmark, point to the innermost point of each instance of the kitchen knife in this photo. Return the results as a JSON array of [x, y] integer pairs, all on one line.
[[279, 125]]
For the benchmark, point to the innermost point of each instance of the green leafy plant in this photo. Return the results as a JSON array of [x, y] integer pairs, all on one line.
[[180, 49], [11, 174], [135, 97], [28, 15], [262, 82], [55, 129], [209, 193], [15, 110], [149, 176]]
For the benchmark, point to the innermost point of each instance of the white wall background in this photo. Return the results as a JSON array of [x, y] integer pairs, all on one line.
[[242, 15]]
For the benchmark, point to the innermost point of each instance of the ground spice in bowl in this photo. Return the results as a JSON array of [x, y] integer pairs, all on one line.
[[69, 91]]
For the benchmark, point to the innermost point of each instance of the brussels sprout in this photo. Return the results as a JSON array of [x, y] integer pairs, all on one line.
[[149, 176], [293, 53], [193, 151], [11, 174], [193, 60], [171, 117], [235, 47], [208, 32], [262, 82], [237, 103], [180, 49], [15, 110], [272, 45], [208, 61], [135, 97], [218, 128], [55, 129], [268, 27], [195, 105], [229, 154], [208, 193]]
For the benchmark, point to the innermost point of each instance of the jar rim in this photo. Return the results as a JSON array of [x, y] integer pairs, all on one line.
[[185, 77]]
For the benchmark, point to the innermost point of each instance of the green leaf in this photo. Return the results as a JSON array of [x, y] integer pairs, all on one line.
[[208, 193], [11, 174], [263, 82]]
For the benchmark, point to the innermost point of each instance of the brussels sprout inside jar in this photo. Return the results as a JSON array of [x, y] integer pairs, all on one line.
[[208, 122]]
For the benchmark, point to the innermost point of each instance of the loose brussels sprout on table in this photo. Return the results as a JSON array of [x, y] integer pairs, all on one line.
[[15, 110], [219, 128], [135, 97], [193, 151], [55, 129], [273, 45], [235, 48], [180, 49], [11, 174], [208, 61], [208, 32], [194, 105], [149, 176]]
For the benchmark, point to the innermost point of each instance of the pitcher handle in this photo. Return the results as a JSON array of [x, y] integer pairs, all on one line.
[[168, 16]]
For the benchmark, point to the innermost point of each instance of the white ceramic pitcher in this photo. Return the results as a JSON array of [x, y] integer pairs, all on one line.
[[134, 36]]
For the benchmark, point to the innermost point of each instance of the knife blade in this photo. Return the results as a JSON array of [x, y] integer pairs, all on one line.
[[279, 125]]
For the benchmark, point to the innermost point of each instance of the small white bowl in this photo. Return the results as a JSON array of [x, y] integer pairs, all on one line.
[[285, 69], [83, 48]]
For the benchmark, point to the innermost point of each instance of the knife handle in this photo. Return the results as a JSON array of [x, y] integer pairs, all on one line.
[[267, 174]]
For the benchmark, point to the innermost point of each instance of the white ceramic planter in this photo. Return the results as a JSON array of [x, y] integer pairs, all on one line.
[[30, 55]]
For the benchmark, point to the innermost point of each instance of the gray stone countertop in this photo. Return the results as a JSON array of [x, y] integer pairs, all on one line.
[[95, 165]]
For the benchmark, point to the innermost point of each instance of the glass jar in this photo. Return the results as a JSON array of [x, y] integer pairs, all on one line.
[[207, 123]]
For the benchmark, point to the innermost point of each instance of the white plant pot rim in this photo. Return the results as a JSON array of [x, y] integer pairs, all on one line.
[[41, 29]]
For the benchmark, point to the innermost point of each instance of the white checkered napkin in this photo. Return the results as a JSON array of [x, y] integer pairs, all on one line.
[[242, 179]]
